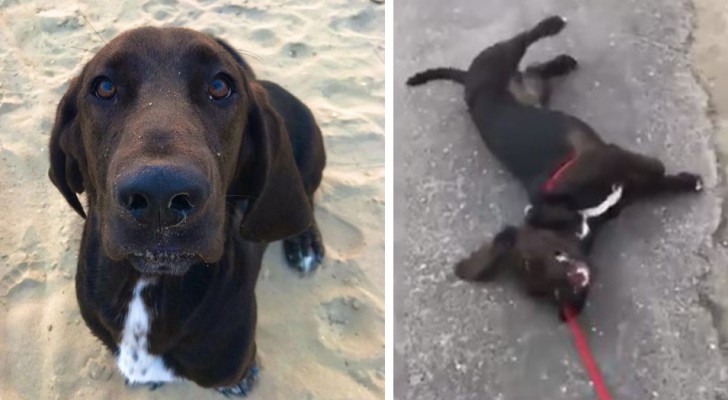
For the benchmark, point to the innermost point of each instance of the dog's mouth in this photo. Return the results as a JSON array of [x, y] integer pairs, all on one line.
[[577, 272], [575, 281], [578, 277], [163, 262], [167, 251]]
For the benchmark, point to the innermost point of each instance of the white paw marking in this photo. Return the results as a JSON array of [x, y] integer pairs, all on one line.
[[699, 185], [598, 210], [307, 263], [134, 360]]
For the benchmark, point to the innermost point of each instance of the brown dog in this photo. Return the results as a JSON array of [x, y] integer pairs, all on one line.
[[575, 180], [190, 166]]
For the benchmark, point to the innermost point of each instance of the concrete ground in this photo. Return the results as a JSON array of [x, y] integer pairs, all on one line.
[[656, 315]]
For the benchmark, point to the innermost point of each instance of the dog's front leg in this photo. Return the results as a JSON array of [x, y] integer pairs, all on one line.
[[683, 182], [647, 177]]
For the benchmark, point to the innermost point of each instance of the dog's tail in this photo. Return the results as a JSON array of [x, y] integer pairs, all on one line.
[[451, 74]]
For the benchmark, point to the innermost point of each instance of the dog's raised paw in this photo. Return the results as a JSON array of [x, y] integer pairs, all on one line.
[[551, 25], [151, 385], [565, 63], [305, 251], [244, 387]]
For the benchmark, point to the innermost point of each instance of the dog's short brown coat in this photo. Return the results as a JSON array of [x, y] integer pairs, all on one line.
[[262, 155]]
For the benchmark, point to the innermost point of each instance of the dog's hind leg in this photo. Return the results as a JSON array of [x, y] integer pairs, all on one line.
[[510, 52], [557, 66], [530, 90], [532, 87], [494, 68]]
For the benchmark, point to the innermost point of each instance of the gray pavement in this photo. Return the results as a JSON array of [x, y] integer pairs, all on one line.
[[650, 318]]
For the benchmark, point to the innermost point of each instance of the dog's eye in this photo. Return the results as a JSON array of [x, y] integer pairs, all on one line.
[[219, 89], [105, 89], [560, 256]]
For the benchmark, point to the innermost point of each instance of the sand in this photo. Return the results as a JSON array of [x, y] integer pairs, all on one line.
[[320, 337]]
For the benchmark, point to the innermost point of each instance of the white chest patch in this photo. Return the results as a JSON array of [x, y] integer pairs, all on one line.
[[134, 360], [598, 210]]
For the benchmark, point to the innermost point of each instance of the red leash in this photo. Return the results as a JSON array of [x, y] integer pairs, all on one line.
[[580, 342], [582, 347]]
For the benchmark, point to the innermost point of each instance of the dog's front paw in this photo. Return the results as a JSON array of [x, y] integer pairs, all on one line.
[[305, 251], [244, 387], [691, 182], [551, 25], [151, 385]]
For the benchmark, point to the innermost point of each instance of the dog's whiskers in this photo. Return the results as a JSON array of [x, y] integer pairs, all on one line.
[[252, 55], [81, 48], [94, 29]]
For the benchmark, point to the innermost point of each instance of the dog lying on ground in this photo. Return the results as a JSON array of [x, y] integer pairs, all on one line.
[[190, 165], [575, 181]]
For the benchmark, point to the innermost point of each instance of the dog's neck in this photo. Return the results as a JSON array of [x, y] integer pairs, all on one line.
[[583, 231]]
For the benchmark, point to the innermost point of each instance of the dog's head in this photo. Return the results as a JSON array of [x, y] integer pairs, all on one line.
[[551, 263], [165, 130]]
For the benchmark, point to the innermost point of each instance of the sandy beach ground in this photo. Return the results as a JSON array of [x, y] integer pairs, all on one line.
[[319, 337]]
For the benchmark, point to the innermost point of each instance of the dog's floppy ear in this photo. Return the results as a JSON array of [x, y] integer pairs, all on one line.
[[487, 261], [66, 150], [268, 177], [249, 73]]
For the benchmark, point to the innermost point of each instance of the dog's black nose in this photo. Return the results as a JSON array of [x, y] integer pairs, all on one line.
[[162, 196]]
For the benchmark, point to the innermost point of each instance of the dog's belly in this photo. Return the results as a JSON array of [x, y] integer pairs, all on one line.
[[134, 360], [528, 142]]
